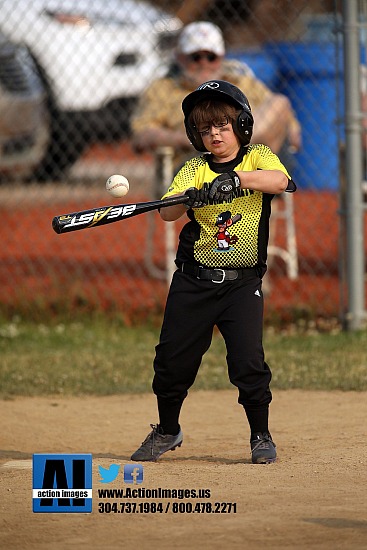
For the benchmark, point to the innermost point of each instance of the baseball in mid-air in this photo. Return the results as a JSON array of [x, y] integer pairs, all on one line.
[[117, 186]]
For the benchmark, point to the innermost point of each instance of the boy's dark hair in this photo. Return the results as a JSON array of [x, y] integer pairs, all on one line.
[[209, 110]]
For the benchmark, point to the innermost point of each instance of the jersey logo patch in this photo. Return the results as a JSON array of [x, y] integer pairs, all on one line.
[[224, 238]]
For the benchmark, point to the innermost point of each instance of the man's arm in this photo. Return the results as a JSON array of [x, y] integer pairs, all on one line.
[[275, 120], [157, 120], [151, 138]]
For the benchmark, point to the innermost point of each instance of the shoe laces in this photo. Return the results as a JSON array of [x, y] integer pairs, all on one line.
[[151, 436], [262, 441]]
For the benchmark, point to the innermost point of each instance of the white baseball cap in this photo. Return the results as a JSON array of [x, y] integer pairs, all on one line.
[[200, 36]]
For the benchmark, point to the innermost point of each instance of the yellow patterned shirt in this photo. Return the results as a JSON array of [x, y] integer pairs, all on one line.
[[227, 235]]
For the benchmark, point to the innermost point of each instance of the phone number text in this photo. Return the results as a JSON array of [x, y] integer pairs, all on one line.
[[166, 507]]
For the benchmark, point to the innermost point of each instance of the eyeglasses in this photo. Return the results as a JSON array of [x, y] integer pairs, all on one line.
[[221, 123], [209, 56]]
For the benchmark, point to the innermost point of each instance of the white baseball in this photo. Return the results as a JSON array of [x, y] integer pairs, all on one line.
[[117, 186]]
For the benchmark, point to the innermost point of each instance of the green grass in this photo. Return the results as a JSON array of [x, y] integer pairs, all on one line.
[[319, 361], [102, 357]]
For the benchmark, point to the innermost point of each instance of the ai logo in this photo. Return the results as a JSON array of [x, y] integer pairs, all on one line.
[[62, 483]]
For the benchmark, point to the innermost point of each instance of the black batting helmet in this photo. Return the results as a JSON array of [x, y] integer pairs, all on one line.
[[219, 90]]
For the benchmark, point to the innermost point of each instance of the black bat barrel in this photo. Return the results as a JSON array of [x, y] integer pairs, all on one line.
[[108, 214]]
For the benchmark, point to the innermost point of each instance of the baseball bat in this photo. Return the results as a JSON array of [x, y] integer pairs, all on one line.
[[236, 218], [103, 215]]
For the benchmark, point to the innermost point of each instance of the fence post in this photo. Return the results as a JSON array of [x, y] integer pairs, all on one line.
[[354, 210]]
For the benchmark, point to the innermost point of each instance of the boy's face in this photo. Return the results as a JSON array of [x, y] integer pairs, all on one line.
[[219, 139]]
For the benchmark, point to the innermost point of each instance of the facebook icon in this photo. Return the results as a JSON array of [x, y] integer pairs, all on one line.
[[133, 473]]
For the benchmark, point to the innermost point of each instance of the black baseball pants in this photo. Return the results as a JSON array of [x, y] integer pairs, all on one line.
[[192, 310]]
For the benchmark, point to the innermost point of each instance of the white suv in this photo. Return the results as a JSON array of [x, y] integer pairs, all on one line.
[[96, 58]]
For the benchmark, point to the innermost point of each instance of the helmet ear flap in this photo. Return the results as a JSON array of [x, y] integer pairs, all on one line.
[[243, 126]]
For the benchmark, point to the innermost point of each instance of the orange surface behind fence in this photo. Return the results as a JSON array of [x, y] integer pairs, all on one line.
[[106, 267]]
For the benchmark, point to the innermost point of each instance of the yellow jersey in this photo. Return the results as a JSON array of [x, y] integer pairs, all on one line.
[[227, 235]]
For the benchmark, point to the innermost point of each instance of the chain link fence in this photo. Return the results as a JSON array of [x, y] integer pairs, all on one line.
[[71, 74]]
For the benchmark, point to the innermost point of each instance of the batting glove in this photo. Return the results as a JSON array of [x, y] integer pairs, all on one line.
[[225, 188], [197, 197]]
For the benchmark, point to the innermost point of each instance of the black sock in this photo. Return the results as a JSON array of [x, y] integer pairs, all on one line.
[[169, 413], [258, 418]]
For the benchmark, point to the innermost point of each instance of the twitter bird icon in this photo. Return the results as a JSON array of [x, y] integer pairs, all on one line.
[[109, 474]]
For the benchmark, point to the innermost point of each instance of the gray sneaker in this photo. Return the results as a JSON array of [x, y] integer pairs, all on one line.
[[156, 444], [263, 448]]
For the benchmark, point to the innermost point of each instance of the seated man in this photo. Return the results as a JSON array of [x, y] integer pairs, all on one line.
[[199, 57]]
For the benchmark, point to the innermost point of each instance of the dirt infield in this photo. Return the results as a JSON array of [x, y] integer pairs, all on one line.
[[314, 497]]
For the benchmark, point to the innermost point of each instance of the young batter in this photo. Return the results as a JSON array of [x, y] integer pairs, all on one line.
[[221, 259]]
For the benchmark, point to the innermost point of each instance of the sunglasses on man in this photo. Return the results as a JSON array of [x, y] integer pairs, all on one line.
[[198, 56]]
